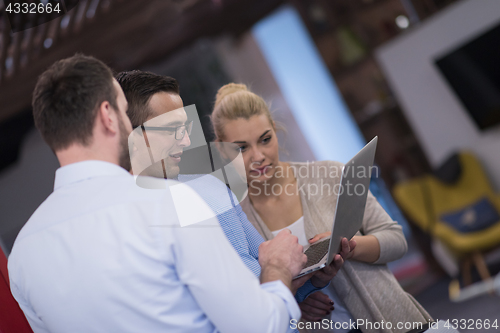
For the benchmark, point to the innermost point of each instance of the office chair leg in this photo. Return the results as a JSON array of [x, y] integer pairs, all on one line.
[[466, 270], [481, 266]]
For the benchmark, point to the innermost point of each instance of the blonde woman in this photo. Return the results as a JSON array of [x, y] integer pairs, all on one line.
[[280, 195]]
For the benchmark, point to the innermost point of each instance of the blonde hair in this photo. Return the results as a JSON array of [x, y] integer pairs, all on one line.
[[235, 101]]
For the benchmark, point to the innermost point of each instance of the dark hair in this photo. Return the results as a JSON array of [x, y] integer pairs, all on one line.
[[66, 99], [139, 87]]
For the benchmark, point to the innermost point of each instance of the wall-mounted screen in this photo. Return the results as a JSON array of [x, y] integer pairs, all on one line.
[[473, 72]]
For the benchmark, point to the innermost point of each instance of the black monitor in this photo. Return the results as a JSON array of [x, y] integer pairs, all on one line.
[[473, 72]]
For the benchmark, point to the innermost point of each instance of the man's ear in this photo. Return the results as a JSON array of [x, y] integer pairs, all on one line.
[[107, 117]]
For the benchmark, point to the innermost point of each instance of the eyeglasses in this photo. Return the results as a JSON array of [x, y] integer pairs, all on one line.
[[180, 131]]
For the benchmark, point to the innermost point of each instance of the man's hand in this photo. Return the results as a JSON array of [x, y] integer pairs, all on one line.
[[316, 306], [281, 258]]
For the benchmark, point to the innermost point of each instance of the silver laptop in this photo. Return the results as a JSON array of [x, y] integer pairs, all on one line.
[[349, 211]]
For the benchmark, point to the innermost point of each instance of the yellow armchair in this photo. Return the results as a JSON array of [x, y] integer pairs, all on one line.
[[428, 201]]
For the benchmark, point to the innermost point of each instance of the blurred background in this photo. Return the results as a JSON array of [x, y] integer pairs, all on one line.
[[422, 75]]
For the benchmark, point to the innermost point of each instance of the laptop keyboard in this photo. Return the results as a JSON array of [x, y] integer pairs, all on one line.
[[316, 252]]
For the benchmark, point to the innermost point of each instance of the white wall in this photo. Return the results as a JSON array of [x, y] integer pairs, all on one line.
[[245, 63], [434, 112]]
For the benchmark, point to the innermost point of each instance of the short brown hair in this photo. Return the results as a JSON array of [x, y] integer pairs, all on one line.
[[139, 87], [66, 100]]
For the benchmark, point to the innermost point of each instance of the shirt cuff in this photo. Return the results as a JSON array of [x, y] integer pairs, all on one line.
[[307, 289], [278, 288]]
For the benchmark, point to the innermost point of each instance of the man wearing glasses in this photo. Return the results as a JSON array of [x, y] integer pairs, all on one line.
[[175, 137], [155, 150], [164, 135]]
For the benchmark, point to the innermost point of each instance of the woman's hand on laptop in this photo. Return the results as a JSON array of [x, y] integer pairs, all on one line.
[[319, 236], [367, 249], [347, 251]]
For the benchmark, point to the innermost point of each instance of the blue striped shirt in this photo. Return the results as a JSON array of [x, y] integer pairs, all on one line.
[[242, 235]]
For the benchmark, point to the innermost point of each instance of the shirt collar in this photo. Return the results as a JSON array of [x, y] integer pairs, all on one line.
[[79, 171]]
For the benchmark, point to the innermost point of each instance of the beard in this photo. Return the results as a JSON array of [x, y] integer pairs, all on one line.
[[124, 156]]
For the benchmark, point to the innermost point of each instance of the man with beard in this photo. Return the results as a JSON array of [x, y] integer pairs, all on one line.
[[102, 254]]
